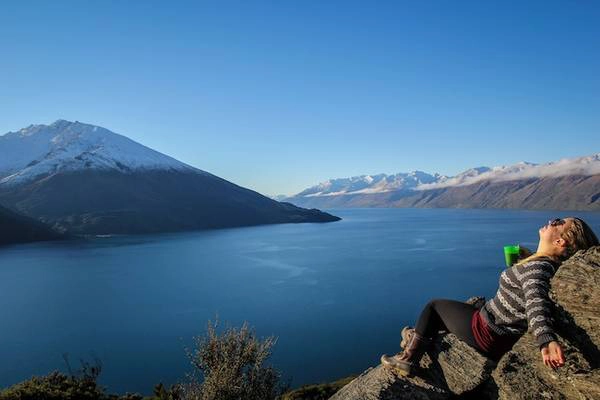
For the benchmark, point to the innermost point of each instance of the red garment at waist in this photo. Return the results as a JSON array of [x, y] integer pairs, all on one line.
[[489, 341]]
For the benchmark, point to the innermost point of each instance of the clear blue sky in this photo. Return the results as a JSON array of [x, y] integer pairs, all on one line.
[[277, 96]]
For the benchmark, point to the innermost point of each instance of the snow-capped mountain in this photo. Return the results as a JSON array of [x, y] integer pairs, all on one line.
[[70, 146], [371, 184], [419, 180], [86, 179], [572, 183]]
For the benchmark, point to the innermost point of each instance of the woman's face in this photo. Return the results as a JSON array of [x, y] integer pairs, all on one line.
[[550, 234]]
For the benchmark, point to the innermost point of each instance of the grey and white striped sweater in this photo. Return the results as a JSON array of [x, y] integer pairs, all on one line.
[[522, 301]]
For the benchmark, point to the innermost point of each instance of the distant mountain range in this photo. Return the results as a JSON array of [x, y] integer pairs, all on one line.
[[85, 179], [568, 184]]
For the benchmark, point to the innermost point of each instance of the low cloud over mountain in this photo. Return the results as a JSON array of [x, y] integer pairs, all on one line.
[[565, 184]]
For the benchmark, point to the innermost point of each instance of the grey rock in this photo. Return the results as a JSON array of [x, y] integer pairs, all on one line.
[[458, 366], [380, 383], [451, 367], [477, 301]]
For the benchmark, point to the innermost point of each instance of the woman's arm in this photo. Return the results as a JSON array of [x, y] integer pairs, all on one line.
[[524, 252], [535, 282]]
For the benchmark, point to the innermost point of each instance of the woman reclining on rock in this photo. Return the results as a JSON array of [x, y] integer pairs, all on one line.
[[522, 302]]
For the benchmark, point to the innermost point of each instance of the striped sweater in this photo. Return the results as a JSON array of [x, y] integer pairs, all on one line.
[[522, 301]]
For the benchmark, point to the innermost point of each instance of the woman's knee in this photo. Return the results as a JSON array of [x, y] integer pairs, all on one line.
[[435, 302]]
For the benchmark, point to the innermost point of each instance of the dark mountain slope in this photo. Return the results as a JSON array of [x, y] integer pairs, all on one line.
[[105, 202], [15, 228]]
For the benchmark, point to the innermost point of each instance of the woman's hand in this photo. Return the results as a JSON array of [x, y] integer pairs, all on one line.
[[524, 252], [552, 355]]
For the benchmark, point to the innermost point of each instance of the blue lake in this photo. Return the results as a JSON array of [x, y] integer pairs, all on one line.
[[336, 295]]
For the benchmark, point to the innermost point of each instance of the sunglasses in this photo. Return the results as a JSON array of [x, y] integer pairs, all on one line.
[[556, 221]]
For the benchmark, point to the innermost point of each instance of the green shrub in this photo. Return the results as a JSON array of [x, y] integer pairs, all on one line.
[[79, 385], [232, 367], [59, 386]]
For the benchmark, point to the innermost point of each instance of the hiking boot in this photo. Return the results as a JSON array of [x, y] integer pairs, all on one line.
[[406, 334], [407, 362]]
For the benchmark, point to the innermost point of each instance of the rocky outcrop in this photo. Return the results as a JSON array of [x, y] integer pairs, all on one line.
[[380, 383], [455, 370], [457, 366], [576, 292]]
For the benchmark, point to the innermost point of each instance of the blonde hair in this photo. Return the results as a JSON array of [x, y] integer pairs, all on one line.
[[579, 236]]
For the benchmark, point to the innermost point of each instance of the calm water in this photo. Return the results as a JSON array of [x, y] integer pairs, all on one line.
[[336, 294]]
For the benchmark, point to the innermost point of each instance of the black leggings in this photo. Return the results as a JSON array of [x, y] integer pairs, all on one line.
[[448, 315]]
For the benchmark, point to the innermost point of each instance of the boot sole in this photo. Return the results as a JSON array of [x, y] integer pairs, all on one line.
[[398, 370], [402, 372]]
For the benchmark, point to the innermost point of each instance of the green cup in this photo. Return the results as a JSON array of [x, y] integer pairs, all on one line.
[[511, 254]]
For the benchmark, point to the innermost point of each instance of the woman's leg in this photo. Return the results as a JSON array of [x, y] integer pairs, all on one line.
[[453, 316]]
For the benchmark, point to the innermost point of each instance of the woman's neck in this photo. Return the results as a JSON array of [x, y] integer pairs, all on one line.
[[543, 250], [550, 255]]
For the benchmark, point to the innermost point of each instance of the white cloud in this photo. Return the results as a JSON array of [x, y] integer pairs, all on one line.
[[585, 166]]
